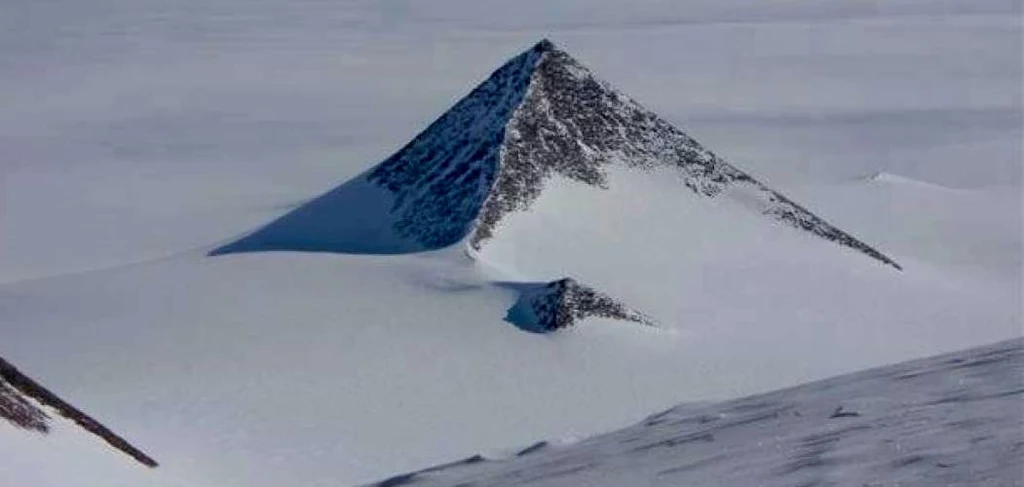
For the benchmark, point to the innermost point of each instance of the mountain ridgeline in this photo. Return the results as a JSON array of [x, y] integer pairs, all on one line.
[[540, 115], [24, 404]]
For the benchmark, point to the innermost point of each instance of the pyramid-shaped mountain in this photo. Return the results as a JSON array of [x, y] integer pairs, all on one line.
[[539, 116]]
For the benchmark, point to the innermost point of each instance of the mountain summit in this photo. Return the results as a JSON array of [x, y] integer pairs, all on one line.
[[539, 116]]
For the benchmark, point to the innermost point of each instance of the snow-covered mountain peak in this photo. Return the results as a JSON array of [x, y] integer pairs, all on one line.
[[541, 115]]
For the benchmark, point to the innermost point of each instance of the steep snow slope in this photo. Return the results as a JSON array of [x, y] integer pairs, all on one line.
[[954, 419]]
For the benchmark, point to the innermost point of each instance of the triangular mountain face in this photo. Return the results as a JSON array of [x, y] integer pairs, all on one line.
[[426, 196], [541, 115]]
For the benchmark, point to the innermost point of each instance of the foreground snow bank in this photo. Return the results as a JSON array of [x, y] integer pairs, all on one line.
[[955, 419]]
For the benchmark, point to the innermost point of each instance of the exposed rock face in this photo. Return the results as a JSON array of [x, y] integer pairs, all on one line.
[[573, 125], [22, 401], [19, 411], [442, 178], [562, 303], [544, 114]]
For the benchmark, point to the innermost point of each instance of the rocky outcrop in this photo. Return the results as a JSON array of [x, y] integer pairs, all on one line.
[[547, 307], [22, 401], [441, 179]]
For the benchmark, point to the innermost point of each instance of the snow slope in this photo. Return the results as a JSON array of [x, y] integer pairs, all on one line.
[[142, 135], [955, 419]]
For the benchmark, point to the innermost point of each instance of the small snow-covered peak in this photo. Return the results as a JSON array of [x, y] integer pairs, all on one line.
[[896, 179], [547, 307]]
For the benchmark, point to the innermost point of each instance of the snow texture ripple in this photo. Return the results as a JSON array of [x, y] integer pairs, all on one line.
[[955, 419]]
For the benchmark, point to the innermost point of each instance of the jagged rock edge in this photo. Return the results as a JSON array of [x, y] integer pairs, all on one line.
[[17, 394], [489, 199], [562, 303]]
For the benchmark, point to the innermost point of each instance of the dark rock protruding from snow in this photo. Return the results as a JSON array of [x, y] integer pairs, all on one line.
[[547, 307], [441, 179], [19, 411], [22, 401]]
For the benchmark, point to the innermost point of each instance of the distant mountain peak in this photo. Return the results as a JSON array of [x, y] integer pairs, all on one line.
[[543, 114], [540, 115]]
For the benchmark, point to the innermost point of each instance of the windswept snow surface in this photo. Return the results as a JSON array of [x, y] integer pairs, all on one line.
[[956, 419], [138, 136]]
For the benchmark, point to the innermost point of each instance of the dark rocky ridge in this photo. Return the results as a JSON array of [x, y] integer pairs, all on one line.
[[19, 395], [442, 177], [544, 114], [19, 411], [565, 302]]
